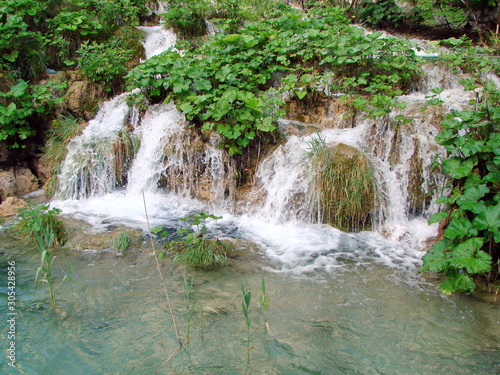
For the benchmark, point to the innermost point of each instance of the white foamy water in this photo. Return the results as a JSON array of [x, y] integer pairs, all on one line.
[[158, 40], [179, 174], [161, 124], [89, 167]]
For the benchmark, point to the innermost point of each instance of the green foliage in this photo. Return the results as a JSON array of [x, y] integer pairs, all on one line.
[[380, 14], [122, 242], [343, 186], [20, 106], [470, 245], [245, 305], [40, 225], [186, 18], [230, 83], [196, 249]]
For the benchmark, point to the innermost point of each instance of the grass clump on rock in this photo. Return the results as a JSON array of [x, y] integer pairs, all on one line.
[[343, 186]]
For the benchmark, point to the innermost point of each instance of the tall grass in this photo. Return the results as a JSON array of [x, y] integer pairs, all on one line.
[[343, 186]]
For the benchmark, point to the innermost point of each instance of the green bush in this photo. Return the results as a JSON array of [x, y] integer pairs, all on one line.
[[21, 107], [186, 18], [230, 83], [40, 225]]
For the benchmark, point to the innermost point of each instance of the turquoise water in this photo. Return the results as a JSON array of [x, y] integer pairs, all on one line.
[[360, 319]]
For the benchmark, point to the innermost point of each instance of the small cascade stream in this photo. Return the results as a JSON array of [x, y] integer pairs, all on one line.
[[338, 302], [181, 174]]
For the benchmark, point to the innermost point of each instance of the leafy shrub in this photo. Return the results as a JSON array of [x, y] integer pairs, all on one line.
[[21, 106], [380, 14], [40, 225], [20, 47], [471, 239], [186, 18]]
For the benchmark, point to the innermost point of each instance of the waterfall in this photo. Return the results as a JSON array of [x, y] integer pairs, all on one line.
[[182, 171], [90, 165], [160, 125], [158, 40]]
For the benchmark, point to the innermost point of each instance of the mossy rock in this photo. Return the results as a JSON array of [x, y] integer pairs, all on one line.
[[344, 186]]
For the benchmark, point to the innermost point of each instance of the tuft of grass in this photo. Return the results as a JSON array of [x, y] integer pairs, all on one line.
[[122, 242], [343, 186]]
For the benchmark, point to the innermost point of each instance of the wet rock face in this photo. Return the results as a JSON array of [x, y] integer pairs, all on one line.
[[17, 182]]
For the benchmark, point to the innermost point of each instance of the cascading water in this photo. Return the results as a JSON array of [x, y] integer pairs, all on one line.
[[181, 173], [158, 39], [90, 164]]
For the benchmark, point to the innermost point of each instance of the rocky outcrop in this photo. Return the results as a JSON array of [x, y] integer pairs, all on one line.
[[11, 206], [17, 182]]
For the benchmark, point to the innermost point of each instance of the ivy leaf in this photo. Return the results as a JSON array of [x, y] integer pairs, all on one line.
[[457, 228]]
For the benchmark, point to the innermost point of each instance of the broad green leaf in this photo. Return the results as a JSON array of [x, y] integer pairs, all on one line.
[[489, 219], [457, 228], [436, 260], [457, 282], [469, 256], [301, 93], [437, 217], [457, 167], [469, 200]]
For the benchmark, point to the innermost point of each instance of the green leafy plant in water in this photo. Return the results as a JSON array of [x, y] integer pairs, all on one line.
[[264, 301], [245, 305], [470, 247], [41, 226], [196, 249], [190, 311]]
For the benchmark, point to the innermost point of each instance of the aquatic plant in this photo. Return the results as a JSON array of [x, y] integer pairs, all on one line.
[[264, 300], [195, 249], [40, 225], [190, 311], [245, 305], [342, 184]]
